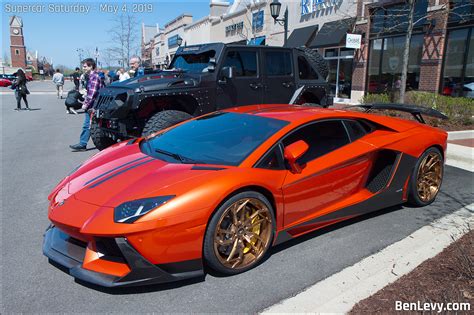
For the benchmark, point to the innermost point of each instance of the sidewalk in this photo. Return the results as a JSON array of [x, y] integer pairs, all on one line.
[[461, 149]]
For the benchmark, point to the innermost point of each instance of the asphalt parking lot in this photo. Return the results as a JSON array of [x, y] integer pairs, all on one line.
[[35, 156]]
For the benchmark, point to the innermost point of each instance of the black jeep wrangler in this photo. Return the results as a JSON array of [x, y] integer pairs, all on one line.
[[206, 78]]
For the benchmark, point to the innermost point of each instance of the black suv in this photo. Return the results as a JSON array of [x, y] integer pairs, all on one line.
[[206, 78]]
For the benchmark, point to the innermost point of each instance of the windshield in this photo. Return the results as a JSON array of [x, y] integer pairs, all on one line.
[[219, 138], [194, 63]]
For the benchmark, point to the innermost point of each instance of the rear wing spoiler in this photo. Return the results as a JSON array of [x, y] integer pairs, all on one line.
[[415, 110]]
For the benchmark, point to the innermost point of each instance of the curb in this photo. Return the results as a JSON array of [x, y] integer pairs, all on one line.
[[341, 291]]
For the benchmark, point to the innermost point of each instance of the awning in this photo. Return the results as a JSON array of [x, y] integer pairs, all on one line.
[[257, 41], [332, 33], [301, 36]]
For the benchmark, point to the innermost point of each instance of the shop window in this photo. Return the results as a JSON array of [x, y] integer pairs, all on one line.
[[461, 11], [394, 18], [386, 62], [458, 75], [306, 72], [244, 63], [278, 63]]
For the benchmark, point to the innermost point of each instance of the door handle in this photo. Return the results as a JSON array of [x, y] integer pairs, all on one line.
[[256, 86], [288, 84]]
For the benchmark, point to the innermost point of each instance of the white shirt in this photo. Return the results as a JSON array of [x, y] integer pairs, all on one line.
[[124, 76], [58, 78]]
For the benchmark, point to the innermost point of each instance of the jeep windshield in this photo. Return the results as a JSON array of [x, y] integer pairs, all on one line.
[[193, 63], [221, 138]]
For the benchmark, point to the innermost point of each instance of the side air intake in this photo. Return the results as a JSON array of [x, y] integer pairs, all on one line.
[[381, 170]]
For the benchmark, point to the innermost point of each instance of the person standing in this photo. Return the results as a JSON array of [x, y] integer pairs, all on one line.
[[58, 80], [135, 66], [20, 89], [76, 76], [93, 85]]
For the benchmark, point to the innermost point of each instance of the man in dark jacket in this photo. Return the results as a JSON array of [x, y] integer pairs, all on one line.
[[76, 76], [73, 101]]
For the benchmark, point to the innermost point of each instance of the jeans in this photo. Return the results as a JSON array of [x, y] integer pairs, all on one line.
[[18, 99], [59, 90], [86, 133]]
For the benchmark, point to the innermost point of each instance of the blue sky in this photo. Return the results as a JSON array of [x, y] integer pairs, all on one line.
[[58, 35]]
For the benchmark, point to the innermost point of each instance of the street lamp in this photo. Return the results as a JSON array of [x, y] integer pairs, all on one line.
[[275, 8]]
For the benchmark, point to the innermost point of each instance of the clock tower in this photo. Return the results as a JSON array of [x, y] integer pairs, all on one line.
[[17, 42]]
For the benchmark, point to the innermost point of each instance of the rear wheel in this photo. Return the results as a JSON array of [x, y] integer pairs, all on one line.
[[239, 233], [164, 119], [99, 138], [426, 178]]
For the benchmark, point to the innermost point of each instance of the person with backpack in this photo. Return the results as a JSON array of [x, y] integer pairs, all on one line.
[[21, 91], [58, 80]]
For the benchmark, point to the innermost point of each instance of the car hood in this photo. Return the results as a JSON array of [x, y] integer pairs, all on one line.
[[125, 173], [161, 80]]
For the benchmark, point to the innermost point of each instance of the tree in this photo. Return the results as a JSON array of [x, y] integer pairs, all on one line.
[[124, 38]]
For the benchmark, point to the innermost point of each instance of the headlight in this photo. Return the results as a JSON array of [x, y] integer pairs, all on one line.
[[130, 211]]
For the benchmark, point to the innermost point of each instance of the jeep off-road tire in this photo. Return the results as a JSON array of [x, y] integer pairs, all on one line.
[[164, 119], [317, 61], [99, 138]]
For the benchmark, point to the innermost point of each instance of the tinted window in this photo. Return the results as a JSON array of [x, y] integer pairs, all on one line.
[[278, 63], [356, 130], [220, 138], [306, 72], [322, 137], [194, 63], [244, 63], [273, 160]]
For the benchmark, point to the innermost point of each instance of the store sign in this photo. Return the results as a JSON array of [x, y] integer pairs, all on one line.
[[353, 41], [237, 27], [310, 6]]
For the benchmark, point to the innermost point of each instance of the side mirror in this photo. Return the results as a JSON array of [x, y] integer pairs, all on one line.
[[227, 73], [212, 65], [293, 152]]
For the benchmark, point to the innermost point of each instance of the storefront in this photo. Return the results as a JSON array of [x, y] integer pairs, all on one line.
[[458, 68]]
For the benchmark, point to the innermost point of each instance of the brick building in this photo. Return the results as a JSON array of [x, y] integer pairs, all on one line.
[[441, 56], [17, 43]]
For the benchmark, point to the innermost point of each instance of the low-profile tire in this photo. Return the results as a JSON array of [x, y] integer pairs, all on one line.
[[99, 138], [317, 61], [239, 233], [426, 178], [164, 119]]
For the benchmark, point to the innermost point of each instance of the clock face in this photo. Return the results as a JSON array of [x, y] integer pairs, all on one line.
[[16, 31]]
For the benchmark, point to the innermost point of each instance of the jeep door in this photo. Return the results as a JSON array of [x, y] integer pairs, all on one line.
[[278, 76], [245, 87]]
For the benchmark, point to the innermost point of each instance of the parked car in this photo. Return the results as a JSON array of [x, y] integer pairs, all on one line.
[[205, 78], [219, 190], [5, 82]]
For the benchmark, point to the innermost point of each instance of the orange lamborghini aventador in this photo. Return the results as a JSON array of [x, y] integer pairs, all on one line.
[[221, 189]]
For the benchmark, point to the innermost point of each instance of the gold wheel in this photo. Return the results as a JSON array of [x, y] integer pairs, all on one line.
[[243, 233], [429, 177]]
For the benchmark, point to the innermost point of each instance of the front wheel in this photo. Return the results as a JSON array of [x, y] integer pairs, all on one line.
[[99, 138], [164, 119], [239, 233], [426, 178]]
